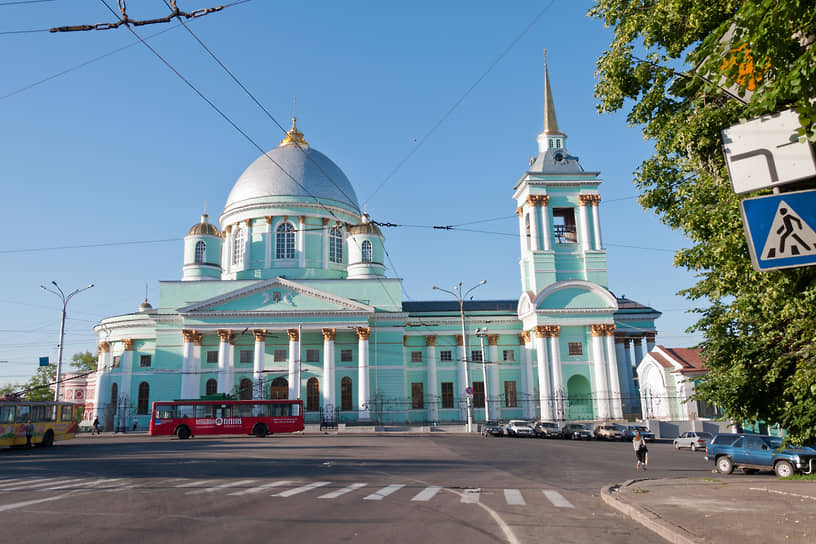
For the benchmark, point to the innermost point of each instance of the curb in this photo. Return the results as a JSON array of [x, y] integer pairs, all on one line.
[[650, 520]]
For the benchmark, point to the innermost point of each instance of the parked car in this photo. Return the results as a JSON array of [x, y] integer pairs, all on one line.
[[547, 429], [695, 440], [576, 431], [754, 452], [492, 428], [519, 427], [647, 435], [608, 431]]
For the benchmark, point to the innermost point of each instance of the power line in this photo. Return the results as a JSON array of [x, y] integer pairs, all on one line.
[[24, 2]]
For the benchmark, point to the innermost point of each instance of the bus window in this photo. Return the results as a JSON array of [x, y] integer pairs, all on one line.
[[295, 409], [244, 410], [67, 413], [224, 410], [184, 410], [44, 413], [23, 413], [204, 411], [6, 414], [165, 412], [260, 410]]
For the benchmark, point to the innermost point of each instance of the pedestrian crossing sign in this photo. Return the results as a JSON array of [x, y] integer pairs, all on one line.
[[781, 229]]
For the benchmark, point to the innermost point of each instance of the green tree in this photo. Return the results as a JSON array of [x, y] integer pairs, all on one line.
[[685, 70], [84, 362], [39, 386]]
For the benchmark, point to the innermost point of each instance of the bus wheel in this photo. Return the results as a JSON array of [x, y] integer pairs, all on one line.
[[260, 430], [48, 439], [183, 433]]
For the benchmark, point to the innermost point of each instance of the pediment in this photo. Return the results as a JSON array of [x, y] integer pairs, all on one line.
[[276, 295]]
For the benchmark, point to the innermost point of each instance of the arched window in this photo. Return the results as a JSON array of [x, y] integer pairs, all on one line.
[[201, 247], [238, 246], [345, 394], [335, 245], [144, 397], [211, 388], [312, 395], [114, 400], [367, 251], [279, 389], [245, 389], [285, 241]]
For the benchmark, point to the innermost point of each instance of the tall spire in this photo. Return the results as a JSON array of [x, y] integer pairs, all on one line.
[[550, 122]]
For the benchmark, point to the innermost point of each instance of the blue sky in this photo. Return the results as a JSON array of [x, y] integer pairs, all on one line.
[[121, 151]]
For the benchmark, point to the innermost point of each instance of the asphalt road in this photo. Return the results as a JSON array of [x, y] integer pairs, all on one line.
[[317, 488]]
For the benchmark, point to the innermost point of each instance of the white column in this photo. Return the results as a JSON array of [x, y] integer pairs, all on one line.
[[528, 408], [126, 369], [324, 237], [600, 392], [533, 215], [226, 251], [268, 243], [522, 232], [625, 370], [596, 221], [258, 364], [363, 395], [223, 361], [294, 363], [557, 373], [300, 241], [544, 389], [582, 215], [544, 201], [195, 365], [460, 371], [494, 393], [328, 369], [616, 410], [638, 344], [650, 342], [102, 390], [187, 374], [245, 265], [433, 384]]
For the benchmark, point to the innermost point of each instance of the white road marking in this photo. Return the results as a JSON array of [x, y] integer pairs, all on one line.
[[105, 482], [427, 494], [301, 489], [42, 483], [195, 483], [384, 492], [470, 496], [13, 481], [343, 491], [12, 506], [260, 488], [219, 487], [557, 499], [513, 497]]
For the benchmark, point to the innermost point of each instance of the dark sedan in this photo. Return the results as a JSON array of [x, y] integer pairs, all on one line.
[[492, 428], [576, 431]]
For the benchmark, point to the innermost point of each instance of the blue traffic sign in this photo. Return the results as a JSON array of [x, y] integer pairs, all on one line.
[[43, 361], [781, 229]]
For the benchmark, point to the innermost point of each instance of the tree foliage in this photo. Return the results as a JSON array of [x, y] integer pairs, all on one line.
[[39, 385], [685, 70], [84, 362]]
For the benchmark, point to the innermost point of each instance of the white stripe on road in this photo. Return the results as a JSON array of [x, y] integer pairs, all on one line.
[[219, 487], [195, 483], [12, 506], [427, 494], [13, 481], [260, 488], [557, 499], [471, 496], [301, 489], [42, 483], [513, 497], [105, 481], [343, 491], [384, 492], [70, 483]]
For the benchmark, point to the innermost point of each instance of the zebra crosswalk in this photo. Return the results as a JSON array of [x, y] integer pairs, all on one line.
[[284, 489]]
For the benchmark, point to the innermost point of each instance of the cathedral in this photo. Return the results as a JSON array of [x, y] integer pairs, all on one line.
[[287, 297]]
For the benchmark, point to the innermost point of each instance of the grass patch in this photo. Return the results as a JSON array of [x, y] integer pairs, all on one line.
[[806, 477], [712, 480], [640, 490]]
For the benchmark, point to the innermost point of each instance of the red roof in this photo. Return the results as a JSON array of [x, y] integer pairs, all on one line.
[[688, 358]]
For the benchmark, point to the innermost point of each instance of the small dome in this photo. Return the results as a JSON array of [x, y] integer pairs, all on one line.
[[204, 227], [145, 306], [365, 227]]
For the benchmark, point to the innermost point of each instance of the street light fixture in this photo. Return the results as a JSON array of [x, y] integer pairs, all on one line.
[[64, 298], [460, 297], [481, 333]]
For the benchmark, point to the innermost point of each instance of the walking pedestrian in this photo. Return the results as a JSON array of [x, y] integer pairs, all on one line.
[[95, 426], [135, 423], [29, 432], [641, 452]]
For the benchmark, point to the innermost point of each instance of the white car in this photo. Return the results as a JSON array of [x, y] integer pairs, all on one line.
[[519, 427], [692, 439]]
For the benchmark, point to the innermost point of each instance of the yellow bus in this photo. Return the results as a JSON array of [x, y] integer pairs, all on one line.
[[53, 421]]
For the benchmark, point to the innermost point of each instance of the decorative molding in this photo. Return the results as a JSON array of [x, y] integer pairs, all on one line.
[[363, 333], [650, 336], [609, 329], [268, 219], [188, 334], [524, 337], [583, 200], [248, 223], [325, 221], [492, 339], [520, 211], [552, 330], [595, 199], [103, 347], [541, 331], [430, 339], [226, 335], [626, 342], [329, 334], [598, 330], [197, 338], [294, 335], [260, 335], [128, 342]]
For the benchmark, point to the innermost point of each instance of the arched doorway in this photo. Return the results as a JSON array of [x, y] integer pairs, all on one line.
[[245, 389], [312, 395], [345, 394], [211, 388], [279, 389], [579, 398]]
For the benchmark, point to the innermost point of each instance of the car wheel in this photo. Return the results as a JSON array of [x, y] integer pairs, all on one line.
[[693, 447], [783, 469], [725, 465], [676, 446]]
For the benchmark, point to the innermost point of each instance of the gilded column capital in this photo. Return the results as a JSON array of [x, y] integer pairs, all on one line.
[[459, 341], [553, 330], [524, 337], [650, 336], [363, 333], [583, 200], [595, 199], [540, 331], [598, 330], [268, 219], [430, 339], [626, 342], [532, 200], [228, 229], [226, 335], [329, 334], [609, 329], [302, 219], [520, 211], [248, 222], [188, 334], [197, 338], [103, 347], [325, 221], [492, 339], [294, 335], [128, 342], [260, 335]]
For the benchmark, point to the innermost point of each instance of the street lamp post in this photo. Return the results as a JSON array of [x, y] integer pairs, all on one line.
[[64, 298], [460, 297], [481, 333]]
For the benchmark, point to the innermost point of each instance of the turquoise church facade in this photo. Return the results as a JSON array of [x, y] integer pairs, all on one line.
[[289, 298]]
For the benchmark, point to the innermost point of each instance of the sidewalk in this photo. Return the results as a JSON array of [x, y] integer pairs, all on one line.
[[721, 509]]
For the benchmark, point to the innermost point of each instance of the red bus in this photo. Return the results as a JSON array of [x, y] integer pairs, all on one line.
[[186, 418]]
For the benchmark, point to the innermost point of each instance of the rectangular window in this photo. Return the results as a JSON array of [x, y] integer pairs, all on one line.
[[447, 394], [281, 355], [508, 355], [446, 355], [212, 357], [43, 413], [510, 397], [564, 226], [575, 348], [67, 413], [312, 355], [116, 359], [476, 356], [416, 356], [478, 395], [144, 361], [417, 396], [346, 355], [245, 356]]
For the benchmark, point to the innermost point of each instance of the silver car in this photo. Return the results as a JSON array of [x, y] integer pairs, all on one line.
[[519, 427], [695, 440]]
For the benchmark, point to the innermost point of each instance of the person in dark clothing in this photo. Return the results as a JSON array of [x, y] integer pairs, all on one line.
[[29, 432], [96, 426]]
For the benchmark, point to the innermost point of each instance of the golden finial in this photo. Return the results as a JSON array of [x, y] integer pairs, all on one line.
[[294, 136]]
